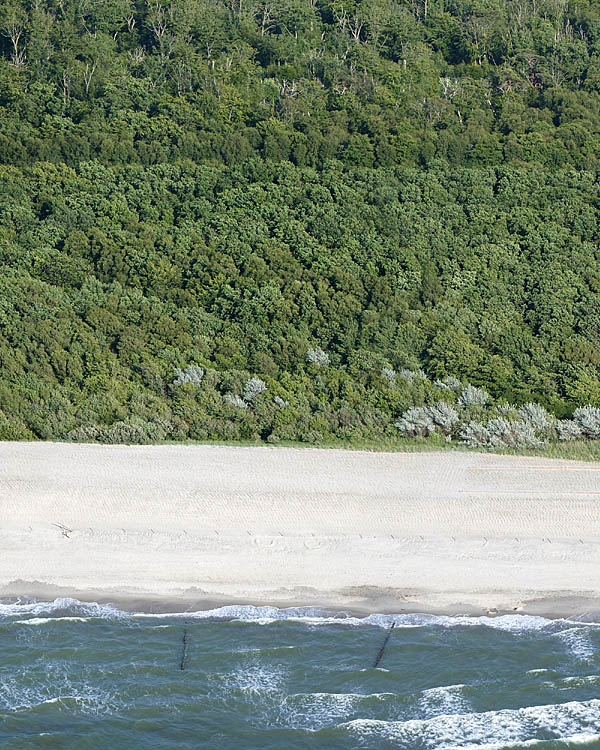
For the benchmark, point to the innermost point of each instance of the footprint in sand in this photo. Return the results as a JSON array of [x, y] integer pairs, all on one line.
[[312, 543], [264, 542]]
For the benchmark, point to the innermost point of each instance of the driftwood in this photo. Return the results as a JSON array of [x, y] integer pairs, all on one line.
[[64, 530]]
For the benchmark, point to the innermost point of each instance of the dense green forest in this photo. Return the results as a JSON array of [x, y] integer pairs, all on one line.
[[367, 82], [299, 220]]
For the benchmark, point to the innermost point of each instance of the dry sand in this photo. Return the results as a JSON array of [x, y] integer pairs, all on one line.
[[188, 526]]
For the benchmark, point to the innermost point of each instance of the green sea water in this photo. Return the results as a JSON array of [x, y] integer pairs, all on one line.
[[79, 675]]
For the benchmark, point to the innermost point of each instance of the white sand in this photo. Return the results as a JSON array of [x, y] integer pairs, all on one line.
[[376, 531]]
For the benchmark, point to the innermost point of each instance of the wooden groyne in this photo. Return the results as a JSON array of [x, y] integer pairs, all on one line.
[[382, 649]]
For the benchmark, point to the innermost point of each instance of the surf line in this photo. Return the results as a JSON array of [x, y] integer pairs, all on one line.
[[382, 649], [184, 649]]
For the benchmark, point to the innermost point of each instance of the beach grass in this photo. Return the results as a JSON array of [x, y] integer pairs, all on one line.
[[576, 450]]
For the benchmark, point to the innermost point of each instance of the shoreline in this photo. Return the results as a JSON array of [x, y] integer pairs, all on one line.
[[578, 608], [199, 526]]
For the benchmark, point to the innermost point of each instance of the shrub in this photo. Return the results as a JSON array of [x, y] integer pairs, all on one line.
[[536, 416], [499, 433], [506, 409], [449, 383], [588, 419], [281, 403], [312, 436], [236, 401], [12, 430], [567, 429], [135, 433], [512, 434], [389, 374], [132, 433], [416, 422], [87, 433], [420, 421], [253, 387], [412, 375], [472, 396], [317, 357], [283, 432], [475, 435], [444, 416], [191, 374]]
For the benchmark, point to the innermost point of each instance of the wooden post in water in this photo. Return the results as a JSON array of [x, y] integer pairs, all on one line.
[[182, 666], [382, 649]]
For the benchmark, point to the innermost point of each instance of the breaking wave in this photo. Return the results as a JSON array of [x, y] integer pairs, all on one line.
[[572, 632], [579, 720], [24, 691]]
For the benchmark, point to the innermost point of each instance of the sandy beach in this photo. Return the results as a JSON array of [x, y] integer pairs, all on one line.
[[190, 526]]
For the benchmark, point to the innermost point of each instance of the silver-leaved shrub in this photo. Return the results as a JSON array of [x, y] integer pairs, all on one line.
[[191, 374]]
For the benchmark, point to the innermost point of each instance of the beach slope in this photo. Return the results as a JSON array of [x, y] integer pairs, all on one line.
[[194, 525]]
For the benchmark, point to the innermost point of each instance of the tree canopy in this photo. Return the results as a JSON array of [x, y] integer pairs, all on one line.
[[244, 219], [368, 82]]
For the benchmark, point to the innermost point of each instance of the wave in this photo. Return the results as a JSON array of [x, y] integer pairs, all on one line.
[[578, 643], [69, 609], [314, 711], [24, 691], [443, 700], [580, 720], [315, 616], [63, 607], [267, 615], [46, 620], [91, 703], [254, 679]]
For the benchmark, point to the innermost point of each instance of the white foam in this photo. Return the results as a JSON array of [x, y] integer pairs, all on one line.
[[23, 691], [254, 678], [266, 615], [574, 739], [46, 620], [314, 711], [73, 607], [582, 739], [577, 681], [578, 643], [317, 710], [447, 699], [464, 731], [263, 650]]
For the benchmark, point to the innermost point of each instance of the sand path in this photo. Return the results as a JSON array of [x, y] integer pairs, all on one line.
[[393, 531]]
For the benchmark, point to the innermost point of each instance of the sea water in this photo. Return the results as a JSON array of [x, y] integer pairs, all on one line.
[[82, 675]]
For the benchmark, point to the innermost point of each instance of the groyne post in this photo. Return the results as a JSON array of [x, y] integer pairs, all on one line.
[[184, 649], [382, 649]]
